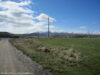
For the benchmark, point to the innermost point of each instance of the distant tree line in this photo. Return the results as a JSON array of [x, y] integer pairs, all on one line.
[[7, 35]]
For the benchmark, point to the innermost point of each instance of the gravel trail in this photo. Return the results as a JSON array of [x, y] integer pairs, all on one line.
[[14, 62]]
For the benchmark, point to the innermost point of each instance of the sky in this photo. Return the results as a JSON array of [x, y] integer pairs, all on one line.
[[27, 16]]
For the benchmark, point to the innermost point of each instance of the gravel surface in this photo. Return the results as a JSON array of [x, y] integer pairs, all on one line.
[[14, 62]]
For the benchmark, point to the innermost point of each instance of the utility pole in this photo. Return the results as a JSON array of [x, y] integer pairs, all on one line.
[[38, 34], [88, 33], [48, 27]]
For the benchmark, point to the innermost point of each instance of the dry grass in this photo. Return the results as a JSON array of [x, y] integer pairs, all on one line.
[[65, 55]]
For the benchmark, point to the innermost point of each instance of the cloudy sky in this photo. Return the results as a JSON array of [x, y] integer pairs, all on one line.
[[27, 16]]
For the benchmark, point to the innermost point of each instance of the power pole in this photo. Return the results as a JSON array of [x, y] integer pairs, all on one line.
[[38, 34], [88, 33], [48, 27]]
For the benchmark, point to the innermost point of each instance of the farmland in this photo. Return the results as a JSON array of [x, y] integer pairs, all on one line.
[[87, 64]]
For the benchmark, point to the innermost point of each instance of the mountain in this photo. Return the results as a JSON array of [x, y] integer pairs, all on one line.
[[64, 34]]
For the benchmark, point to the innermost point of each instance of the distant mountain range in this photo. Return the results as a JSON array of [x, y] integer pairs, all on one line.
[[64, 34], [52, 34]]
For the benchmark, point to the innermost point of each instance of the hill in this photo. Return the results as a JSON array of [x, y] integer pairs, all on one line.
[[7, 35]]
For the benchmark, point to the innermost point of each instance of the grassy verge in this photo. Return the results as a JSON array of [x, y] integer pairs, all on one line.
[[54, 60]]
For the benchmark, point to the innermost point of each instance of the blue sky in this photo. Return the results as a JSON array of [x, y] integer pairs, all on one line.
[[79, 16], [72, 14]]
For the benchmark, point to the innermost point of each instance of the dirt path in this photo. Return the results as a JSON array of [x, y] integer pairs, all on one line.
[[14, 62]]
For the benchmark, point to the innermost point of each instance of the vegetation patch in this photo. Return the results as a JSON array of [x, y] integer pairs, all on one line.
[[63, 56]]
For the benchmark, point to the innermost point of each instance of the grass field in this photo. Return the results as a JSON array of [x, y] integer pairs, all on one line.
[[89, 49]]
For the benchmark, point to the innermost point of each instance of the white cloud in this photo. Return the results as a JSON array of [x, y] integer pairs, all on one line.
[[18, 18], [44, 17], [7, 4], [82, 27]]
